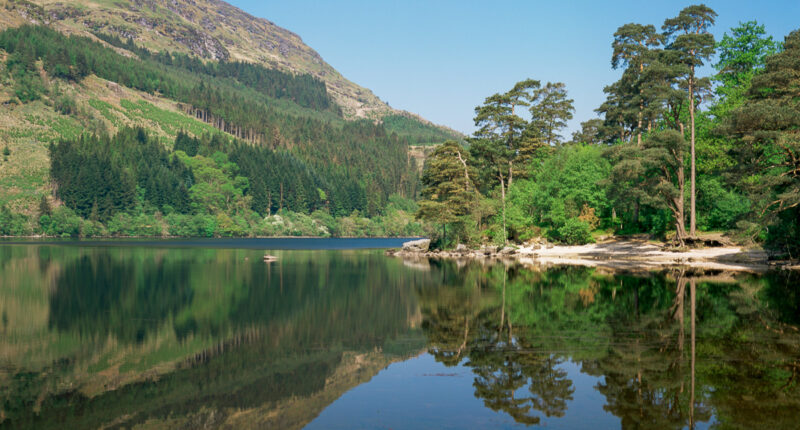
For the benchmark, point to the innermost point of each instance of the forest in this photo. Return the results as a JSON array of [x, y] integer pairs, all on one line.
[[131, 185], [673, 154], [282, 159]]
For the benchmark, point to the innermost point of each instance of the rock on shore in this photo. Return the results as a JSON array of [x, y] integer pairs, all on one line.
[[421, 248]]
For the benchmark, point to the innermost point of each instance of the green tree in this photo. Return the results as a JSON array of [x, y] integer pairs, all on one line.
[[566, 182], [659, 165], [742, 54], [448, 188], [690, 37], [501, 145], [590, 133], [767, 127], [550, 110], [632, 49], [44, 206]]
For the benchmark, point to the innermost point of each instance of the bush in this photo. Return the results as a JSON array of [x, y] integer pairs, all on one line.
[[227, 226], [92, 229], [63, 222], [327, 222], [12, 224], [719, 208], [120, 225], [575, 232], [65, 105]]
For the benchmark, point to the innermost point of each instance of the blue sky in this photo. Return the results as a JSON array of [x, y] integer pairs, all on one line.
[[441, 58]]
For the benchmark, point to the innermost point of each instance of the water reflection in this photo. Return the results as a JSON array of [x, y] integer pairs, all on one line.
[[134, 336], [514, 327]]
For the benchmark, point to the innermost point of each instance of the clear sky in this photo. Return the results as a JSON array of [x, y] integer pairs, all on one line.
[[441, 58]]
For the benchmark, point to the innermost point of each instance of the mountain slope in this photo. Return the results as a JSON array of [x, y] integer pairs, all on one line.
[[292, 150], [210, 29], [279, 127]]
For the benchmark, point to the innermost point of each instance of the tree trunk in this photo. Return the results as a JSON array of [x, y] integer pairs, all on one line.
[[680, 221], [503, 196], [466, 170], [641, 109], [692, 214], [639, 126], [510, 174]]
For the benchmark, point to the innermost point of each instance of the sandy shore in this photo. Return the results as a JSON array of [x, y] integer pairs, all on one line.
[[622, 254], [642, 254]]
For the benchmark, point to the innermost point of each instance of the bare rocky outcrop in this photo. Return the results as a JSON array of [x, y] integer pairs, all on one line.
[[421, 245]]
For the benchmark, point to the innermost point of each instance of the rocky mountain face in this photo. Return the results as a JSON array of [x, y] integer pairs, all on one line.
[[210, 29]]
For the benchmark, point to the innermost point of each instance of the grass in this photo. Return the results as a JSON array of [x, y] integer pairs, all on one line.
[[170, 122], [609, 232], [105, 110], [29, 128]]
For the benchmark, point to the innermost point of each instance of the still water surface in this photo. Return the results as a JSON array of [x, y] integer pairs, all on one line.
[[189, 334]]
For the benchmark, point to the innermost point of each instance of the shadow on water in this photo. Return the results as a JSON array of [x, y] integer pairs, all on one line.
[[122, 336]]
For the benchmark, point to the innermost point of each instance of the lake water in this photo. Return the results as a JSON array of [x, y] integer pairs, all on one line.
[[334, 335]]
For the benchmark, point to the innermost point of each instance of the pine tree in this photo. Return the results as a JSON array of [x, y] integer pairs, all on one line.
[[503, 144], [690, 37], [632, 48], [44, 206], [550, 111], [448, 186], [767, 127]]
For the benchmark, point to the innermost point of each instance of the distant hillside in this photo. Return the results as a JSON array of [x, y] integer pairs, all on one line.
[[417, 130], [154, 80], [52, 93], [209, 29]]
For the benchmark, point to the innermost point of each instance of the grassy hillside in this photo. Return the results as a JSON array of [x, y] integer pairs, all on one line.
[[292, 150], [206, 28], [186, 68], [101, 106]]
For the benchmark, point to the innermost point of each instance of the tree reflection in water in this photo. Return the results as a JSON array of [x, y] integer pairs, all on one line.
[[105, 337], [514, 327]]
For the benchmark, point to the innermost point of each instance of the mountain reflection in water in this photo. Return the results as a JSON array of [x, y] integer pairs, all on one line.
[[118, 337]]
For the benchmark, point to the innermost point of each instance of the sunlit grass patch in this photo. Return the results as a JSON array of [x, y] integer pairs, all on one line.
[[170, 122]]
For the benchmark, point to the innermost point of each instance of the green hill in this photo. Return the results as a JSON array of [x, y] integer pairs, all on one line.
[[68, 76]]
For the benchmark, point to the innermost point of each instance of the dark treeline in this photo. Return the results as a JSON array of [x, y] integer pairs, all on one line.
[[98, 177], [304, 89], [358, 158]]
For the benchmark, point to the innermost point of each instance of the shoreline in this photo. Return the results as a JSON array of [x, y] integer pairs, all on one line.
[[79, 238], [619, 254]]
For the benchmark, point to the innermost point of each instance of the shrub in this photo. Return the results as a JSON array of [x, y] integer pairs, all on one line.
[[12, 224], [575, 232], [719, 208], [63, 222], [92, 229], [587, 215]]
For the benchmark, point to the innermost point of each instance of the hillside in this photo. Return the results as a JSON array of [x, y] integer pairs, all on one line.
[[209, 29], [287, 132]]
